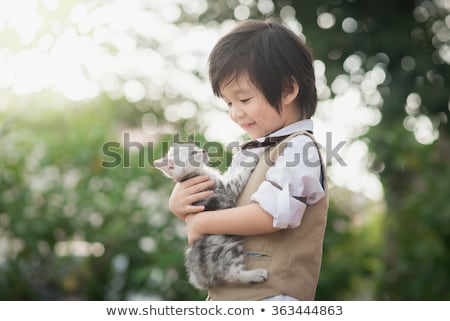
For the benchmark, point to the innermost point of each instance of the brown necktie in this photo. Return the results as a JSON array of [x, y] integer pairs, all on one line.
[[269, 141]]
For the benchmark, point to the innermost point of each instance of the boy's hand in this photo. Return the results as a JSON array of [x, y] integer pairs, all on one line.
[[188, 192]]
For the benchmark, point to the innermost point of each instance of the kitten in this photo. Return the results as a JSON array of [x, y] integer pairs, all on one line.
[[212, 259]]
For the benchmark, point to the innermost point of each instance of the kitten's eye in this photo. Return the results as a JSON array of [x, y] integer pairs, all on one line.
[[197, 151]]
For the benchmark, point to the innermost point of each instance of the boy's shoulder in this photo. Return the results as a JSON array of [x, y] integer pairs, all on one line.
[[302, 147], [299, 139]]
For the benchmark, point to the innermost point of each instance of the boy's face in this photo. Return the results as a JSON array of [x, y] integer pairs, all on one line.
[[249, 108]]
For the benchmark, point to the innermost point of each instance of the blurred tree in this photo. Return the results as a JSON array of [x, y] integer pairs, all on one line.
[[409, 41], [75, 229], [82, 214]]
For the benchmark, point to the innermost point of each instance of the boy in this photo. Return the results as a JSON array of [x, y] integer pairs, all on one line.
[[264, 73]]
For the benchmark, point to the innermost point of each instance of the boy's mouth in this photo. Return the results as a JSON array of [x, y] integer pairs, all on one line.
[[247, 125]]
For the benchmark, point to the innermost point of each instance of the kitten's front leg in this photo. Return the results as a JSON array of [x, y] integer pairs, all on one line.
[[236, 184], [247, 165]]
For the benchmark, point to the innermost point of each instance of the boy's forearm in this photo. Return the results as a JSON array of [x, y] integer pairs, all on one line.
[[244, 220]]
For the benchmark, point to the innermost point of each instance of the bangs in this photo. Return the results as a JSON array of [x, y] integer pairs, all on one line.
[[226, 68]]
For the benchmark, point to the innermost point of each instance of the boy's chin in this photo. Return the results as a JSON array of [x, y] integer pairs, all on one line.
[[252, 135]]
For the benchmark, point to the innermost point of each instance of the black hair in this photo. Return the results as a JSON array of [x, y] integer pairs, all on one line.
[[272, 56]]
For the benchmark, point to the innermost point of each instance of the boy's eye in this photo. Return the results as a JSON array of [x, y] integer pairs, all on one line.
[[245, 100]]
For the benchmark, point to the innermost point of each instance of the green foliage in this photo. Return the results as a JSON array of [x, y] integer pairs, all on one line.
[[418, 223], [351, 259], [77, 230]]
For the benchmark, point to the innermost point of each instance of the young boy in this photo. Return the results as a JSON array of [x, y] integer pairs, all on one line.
[[264, 73]]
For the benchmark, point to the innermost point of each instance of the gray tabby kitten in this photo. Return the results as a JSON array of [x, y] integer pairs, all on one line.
[[212, 259]]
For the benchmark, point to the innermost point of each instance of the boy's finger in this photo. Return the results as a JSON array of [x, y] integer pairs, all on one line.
[[191, 209], [200, 187], [195, 180], [199, 196]]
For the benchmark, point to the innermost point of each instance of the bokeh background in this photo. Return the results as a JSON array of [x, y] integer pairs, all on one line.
[[86, 83]]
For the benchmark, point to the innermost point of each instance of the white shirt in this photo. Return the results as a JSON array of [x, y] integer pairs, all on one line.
[[296, 174]]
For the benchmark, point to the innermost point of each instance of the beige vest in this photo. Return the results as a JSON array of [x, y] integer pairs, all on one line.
[[292, 256]]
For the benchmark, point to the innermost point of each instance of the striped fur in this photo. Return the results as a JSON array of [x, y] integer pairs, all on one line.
[[212, 259]]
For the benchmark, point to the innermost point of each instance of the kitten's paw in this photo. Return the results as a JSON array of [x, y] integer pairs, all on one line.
[[259, 276]]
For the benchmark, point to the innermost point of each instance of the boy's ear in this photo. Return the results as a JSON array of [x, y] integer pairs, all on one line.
[[290, 91]]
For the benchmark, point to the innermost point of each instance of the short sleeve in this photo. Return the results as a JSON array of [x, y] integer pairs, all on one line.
[[292, 183]]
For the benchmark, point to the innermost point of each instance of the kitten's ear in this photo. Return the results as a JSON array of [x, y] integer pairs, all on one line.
[[199, 155], [158, 163]]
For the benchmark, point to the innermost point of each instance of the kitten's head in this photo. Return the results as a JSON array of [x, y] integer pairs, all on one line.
[[182, 161]]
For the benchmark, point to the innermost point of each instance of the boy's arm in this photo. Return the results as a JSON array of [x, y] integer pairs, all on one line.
[[244, 220]]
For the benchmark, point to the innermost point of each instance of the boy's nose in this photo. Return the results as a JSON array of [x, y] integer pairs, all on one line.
[[236, 112]]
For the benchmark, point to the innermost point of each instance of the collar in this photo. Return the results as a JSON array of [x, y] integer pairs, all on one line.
[[304, 124]]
